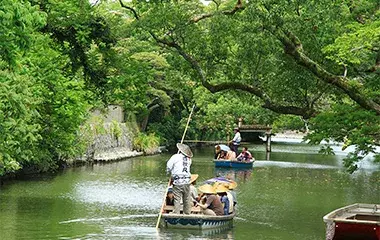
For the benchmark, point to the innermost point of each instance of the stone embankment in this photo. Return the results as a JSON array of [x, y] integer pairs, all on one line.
[[111, 141]]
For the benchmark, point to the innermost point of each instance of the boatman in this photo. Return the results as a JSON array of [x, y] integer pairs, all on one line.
[[236, 141], [179, 168]]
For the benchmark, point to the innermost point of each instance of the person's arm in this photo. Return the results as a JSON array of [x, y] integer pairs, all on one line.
[[170, 165], [209, 200], [203, 206]]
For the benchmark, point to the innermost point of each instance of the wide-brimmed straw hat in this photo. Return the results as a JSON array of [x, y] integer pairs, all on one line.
[[220, 188], [185, 149], [207, 188], [193, 177]]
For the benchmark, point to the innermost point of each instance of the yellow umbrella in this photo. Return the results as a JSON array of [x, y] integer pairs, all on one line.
[[230, 184]]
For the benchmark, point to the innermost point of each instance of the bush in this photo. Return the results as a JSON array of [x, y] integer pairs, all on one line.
[[146, 143]]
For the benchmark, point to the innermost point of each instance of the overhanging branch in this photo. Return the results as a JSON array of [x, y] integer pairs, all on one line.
[[130, 9], [305, 112], [238, 7], [293, 47]]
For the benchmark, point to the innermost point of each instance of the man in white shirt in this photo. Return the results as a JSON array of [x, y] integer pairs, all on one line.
[[236, 141], [179, 168]]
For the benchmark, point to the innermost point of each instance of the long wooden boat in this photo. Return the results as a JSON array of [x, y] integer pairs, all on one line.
[[233, 164], [195, 220], [354, 222]]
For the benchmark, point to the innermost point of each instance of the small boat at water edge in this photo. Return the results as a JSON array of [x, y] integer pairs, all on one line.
[[354, 222], [233, 163]]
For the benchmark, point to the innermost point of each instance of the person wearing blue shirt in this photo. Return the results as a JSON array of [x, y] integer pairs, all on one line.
[[222, 193]]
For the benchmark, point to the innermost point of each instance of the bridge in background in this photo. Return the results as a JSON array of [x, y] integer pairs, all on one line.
[[256, 128]]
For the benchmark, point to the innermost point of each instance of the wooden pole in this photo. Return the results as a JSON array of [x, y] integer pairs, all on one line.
[[187, 124], [166, 190], [268, 143]]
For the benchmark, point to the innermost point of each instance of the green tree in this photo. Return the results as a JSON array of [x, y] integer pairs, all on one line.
[[19, 130], [18, 21], [285, 54], [63, 105], [42, 104]]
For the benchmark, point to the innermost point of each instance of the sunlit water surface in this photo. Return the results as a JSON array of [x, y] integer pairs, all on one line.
[[284, 197]]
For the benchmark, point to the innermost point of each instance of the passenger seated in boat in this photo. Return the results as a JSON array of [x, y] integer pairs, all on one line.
[[193, 189], [212, 206], [231, 155], [221, 190], [245, 155], [231, 194], [170, 197], [221, 155], [232, 201], [217, 152]]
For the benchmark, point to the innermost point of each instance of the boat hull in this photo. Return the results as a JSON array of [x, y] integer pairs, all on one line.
[[196, 221], [354, 222], [233, 164]]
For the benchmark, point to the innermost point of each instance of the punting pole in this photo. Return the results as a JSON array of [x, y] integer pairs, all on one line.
[[166, 190]]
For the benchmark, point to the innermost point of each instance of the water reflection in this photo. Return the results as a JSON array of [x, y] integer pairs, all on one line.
[[218, 233], [239, 175]]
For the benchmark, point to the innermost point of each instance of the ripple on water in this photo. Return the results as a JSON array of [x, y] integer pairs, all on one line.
[[143, 195], [103, 219], [292, 165]]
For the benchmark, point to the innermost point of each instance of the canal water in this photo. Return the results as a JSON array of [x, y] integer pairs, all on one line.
[[283, 198]]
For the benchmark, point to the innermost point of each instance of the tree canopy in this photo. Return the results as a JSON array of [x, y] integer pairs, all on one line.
[[290, 63], [314, 59]]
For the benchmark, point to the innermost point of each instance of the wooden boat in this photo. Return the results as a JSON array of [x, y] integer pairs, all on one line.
[[354, 222], [233, 164], [195, 220]]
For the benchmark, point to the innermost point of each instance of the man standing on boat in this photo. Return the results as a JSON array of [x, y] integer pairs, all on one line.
[[179, 168], [236, 141]]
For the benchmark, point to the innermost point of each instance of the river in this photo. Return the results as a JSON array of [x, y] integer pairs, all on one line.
[[281, 198]]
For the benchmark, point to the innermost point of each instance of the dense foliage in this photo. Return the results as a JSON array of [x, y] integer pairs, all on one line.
[[42, 102], [319, 60], [294, 64]]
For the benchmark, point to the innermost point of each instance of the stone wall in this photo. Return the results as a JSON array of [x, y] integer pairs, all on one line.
[[112, 113], [106, 139], [111, 141]]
